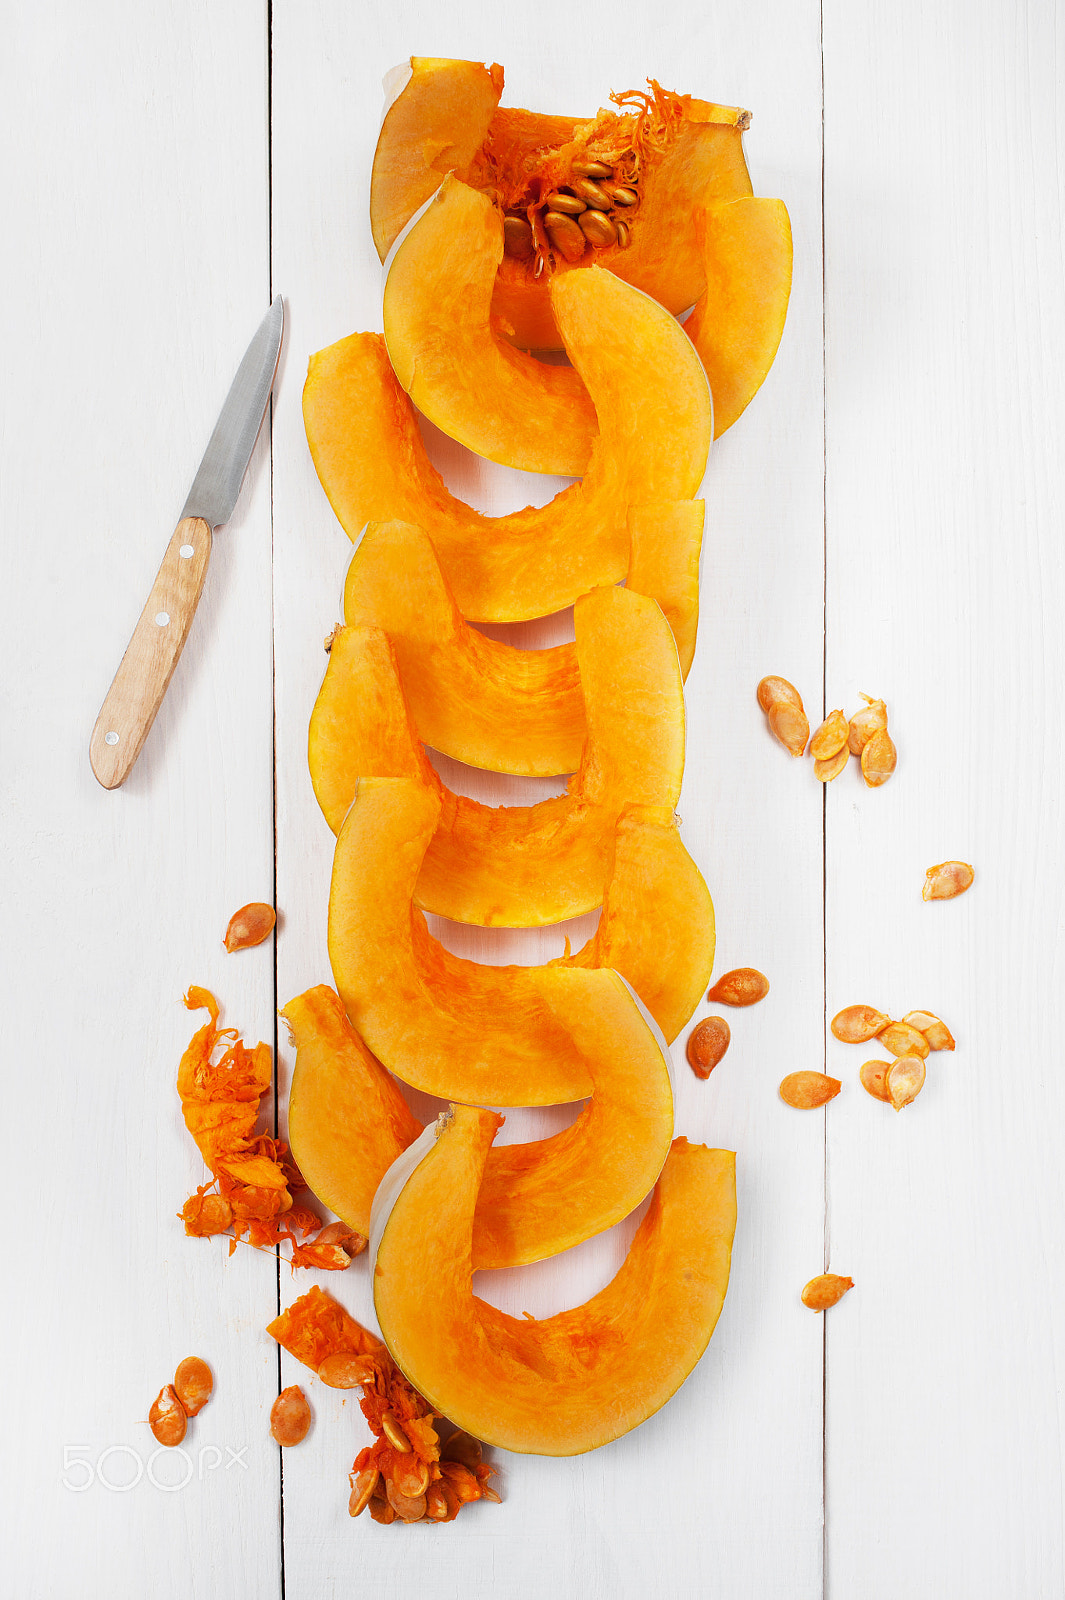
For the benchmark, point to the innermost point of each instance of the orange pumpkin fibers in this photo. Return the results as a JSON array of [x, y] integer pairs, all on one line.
[[412, 1483], [252, 1172]]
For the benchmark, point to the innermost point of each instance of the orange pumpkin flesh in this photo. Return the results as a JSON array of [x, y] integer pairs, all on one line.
[[536, 1199], [480, 1033], [436, 120], [516, 866], [655, 426], [438, 330], [738, 321], [473, 698], [681, 152], [573, 1381]]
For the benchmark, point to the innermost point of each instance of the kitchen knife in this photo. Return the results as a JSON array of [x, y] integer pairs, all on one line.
[[159, 637]]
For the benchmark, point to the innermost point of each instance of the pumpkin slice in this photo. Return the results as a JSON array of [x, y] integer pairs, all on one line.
[[655, 426], [473, 698], [536, 1199], [456, 368], [522, 711], [574, 1381], [739, 319], [480, 1033], [671, 151], [437, 115], [516, 866]]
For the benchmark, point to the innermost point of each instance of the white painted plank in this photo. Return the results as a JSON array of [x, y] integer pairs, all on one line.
[[720, 1494], [946, 348], [136, 261]]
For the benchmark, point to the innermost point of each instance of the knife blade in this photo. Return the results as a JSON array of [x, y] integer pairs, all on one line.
[[135, 695]]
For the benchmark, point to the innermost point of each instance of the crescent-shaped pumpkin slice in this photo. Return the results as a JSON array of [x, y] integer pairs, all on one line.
[[521, 711], [516, 866], [655, 424], [459, 371], [570, 1382], [472, 1032], [671, 150], [348, 1122], [738, 321], [474, 698]]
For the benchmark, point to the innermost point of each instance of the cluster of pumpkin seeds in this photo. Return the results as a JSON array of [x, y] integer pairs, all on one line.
[[910, 1041], [595, 208], [864, 735]]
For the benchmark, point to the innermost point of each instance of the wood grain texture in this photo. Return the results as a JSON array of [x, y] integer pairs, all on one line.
[[720, 1494], [946, 354], [136, 221], [138, 687]]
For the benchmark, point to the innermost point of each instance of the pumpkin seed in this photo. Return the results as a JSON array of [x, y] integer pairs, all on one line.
[[872, 1078], [409, 1509], [879, 757], [290, 1416], [903, 1040], [830, 737], [825, 771], [622, 196], [623, 235], [565, 235], [167, 1418], [771, 690], [947, 880], [706, 1045], [904, 1080], [743, 986], [559, 201], [363, 1485], [394, 1433], [342, 1370], [592, 194], [865, 723], [193, 1384], [584, 167], [826, 1290], [805, 1091], [517, 238], [788, 724], [934, 1029], [856, 1024], [598, 228], [410, 1475]]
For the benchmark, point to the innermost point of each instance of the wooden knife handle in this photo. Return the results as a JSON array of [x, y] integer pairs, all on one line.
[[151, 655]]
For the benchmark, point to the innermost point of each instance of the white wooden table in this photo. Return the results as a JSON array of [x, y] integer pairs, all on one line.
[[886, 517]]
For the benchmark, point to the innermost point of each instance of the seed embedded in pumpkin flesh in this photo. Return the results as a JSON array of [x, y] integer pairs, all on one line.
[[193, 1384], [518, 238], [743, 986], [706, 1045], [872, 1077], [598, 229], [290, 1417], [934, 1029], [394, 1433], [948, 879], [871, 719], [565, 235], [586, 167], [592, 194], [805, 1091], [167, 1418], [346, 1371], [566, 203], [623, 235], [830, 738], [856, 1024], [826, 1290], [622, 196], [903, 1040], [904, 1080], [879, 759]]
